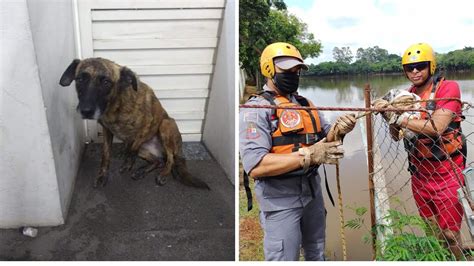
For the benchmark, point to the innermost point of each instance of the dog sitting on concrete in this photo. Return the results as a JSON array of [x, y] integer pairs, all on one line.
[[128, 109]]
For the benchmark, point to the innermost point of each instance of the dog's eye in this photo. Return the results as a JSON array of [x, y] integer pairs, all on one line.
[[79, 79], [106, 83]]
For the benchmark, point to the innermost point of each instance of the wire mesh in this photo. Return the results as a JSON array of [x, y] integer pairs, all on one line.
[[411, 183], [415, 210]]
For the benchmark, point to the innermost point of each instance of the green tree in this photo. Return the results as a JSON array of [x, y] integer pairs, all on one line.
[[263, 22], [252, 26], [342, 55], [457, 60], [371, 55], [378, 60]]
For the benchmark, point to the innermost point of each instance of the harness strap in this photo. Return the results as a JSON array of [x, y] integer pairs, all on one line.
[[463, 147], [308, 139], [304, 102], [269, 96], [291, 139], [327, 186], [248, 192], [431, 105]]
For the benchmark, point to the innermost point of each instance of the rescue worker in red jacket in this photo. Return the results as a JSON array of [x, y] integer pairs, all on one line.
[[434, 180], [282, 149]]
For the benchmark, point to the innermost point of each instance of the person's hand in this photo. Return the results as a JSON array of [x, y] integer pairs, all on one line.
[[321, 152], [405, 102], [344, 124], [389, 116], [380, 103]]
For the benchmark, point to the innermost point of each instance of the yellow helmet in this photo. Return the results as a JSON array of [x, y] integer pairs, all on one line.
[[267, 66], [420, 52]]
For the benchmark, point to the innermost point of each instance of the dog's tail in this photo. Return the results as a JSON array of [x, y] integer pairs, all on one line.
[[180, 171]]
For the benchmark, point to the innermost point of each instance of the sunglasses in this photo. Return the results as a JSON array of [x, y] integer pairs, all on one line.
[[419, 66]]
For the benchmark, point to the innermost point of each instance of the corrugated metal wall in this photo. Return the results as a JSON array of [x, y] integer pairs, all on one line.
[[170, 44]]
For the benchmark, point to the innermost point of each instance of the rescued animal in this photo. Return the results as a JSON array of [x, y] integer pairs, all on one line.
[[128, 109], [404, 99]]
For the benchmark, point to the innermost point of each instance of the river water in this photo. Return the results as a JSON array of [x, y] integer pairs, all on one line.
[[349, 92]]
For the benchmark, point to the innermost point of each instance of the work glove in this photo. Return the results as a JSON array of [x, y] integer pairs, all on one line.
[[405, 101], [380, 103], [345, 124], [389, 116], [320, 153]]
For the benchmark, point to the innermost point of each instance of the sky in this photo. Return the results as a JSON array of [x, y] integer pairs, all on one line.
[[392, 25]]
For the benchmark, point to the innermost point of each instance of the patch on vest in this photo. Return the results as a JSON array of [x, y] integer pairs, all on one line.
[[290, 118], [251, 117], [252, 132]]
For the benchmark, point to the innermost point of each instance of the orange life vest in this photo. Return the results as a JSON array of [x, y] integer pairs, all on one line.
[[296, 128], [437, 147]]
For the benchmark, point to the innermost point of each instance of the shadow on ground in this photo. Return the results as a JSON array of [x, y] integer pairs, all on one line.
[[137, 220]]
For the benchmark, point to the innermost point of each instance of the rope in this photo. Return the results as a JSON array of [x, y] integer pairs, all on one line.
[[361, 113], [340, 206]]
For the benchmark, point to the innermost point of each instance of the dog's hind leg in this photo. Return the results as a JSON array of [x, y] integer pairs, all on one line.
[[175, 162], [154, 163], [167, 133], [163, 176], [128, 163], [144, 170]]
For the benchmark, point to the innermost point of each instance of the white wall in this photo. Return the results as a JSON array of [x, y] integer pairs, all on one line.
[[219, 128], [170, 44], [52, 25], [38, 126]]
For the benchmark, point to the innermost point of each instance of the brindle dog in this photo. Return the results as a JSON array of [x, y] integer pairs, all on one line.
[[128, 108]]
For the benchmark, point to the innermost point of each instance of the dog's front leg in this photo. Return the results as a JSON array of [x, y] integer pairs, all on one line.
[[131, 153], [104, 166], [129, 160]]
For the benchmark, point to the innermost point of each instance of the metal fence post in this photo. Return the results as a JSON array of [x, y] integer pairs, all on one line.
[[370, 159]]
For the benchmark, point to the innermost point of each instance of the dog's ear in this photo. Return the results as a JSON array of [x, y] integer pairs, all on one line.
[[127, 78], [70, 73]]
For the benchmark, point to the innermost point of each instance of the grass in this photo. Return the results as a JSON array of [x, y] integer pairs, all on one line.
[[251, 235]]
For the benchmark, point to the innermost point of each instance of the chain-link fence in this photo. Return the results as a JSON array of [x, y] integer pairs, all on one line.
[[423, 207], [419, 204]]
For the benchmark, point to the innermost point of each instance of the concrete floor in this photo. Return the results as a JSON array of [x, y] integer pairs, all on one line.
[[137, 220]]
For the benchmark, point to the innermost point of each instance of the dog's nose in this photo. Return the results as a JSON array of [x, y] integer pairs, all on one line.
[[87, 112]]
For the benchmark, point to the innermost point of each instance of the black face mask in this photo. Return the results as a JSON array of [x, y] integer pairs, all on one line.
[[287, 82]]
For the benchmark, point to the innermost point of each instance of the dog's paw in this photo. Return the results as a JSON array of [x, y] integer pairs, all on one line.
[[101, 181], [160, 180], [139, 173], [126, 167]]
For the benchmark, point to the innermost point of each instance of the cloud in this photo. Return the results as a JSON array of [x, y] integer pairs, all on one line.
[[390, 24], [342, 22]]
